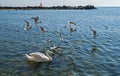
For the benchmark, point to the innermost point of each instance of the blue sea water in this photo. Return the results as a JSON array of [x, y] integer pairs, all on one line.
[[82, 54]]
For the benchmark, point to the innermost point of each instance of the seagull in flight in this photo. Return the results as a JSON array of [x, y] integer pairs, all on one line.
[[55, 48], [27, 25], [71, 23], [60, 35], [94, 32], [72, 29], [36, 20], [42, 29]]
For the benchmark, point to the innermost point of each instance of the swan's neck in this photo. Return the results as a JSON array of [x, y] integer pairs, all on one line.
[[50, 58]]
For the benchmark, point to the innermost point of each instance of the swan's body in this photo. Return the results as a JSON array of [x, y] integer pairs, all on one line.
[[39, 57]]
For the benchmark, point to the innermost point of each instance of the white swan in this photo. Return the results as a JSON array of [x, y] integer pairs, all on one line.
[[40, 57]]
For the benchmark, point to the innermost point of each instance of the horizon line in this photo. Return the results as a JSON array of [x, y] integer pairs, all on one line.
[[59, 5]]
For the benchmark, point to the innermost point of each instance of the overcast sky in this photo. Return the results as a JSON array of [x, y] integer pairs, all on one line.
[[59, 2]]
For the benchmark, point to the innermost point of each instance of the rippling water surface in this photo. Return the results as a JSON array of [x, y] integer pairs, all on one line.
[[82, 54]]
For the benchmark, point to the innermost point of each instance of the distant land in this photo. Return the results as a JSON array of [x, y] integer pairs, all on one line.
[[87, 7]]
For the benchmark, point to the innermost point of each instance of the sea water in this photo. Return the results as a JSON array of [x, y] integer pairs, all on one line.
[[82, 55]]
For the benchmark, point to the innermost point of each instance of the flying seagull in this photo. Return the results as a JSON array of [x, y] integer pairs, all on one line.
[[27, 25], [94, 32], [36, 20], [71, 23]]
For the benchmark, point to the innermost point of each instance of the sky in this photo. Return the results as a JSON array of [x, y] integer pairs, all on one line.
[[48, 3]]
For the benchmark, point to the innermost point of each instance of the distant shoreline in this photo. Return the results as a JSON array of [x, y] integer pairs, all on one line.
[[88, 7]]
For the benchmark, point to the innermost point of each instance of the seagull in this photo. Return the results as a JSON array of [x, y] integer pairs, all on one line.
[[60, 34], [71, 23], [40, 57], [42, 29], [27, 25], [94, 32], [106, 27], [47, 41], [72, 29], [36, 20], [54, 47], [65, 26]]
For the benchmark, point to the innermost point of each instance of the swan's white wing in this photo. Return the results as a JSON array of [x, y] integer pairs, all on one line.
[[30, 58], [39, 56]]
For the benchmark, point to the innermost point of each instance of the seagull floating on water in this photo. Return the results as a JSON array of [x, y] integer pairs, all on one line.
[[40, 57]]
